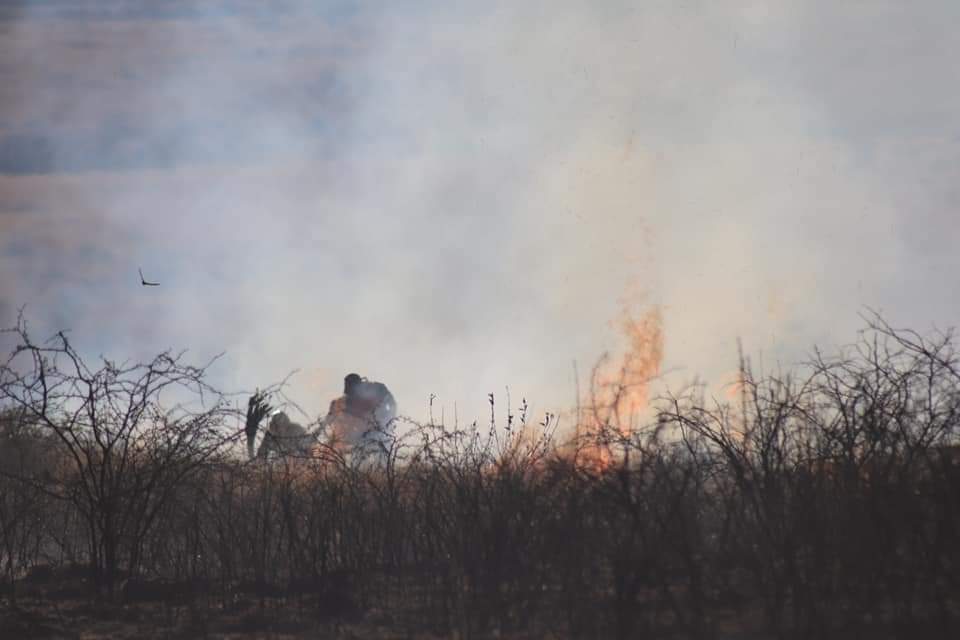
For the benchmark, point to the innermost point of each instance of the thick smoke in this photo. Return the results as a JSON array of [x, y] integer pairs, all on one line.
[[456, 199]]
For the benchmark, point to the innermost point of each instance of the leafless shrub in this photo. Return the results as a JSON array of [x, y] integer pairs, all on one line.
[[817, 503], [119, 451]]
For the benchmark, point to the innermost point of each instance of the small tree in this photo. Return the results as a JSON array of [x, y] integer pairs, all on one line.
[[120, 450]]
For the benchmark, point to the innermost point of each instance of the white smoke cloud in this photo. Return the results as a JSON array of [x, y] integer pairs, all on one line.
[[453, 198]]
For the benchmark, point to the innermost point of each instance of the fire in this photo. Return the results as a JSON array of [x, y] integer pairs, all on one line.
[[619, 386], [641, 363]]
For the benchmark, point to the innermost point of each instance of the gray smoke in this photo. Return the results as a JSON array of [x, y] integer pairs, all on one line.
[[453, 198]]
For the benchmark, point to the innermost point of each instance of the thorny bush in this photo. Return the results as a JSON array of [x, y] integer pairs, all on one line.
[[816, 504]]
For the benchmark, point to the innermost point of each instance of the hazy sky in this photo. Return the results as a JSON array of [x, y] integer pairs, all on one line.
[[458, 197]]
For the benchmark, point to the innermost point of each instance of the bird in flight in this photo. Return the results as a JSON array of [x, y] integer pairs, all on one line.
[[144, 282]]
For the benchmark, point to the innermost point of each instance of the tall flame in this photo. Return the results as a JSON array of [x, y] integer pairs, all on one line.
[[619, 386]]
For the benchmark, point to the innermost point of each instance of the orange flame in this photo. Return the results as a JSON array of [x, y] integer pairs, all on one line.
[[619, 387]]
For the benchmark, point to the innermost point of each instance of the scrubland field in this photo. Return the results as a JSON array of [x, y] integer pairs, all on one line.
[[819, 504]]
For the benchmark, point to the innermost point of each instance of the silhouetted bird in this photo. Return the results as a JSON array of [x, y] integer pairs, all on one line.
[[144, 282]]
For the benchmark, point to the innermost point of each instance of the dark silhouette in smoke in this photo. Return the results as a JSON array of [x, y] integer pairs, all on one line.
[[364, 414], [285, 437]]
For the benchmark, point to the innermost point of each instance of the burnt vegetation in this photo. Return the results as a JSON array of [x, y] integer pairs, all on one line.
[[823, 503]]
